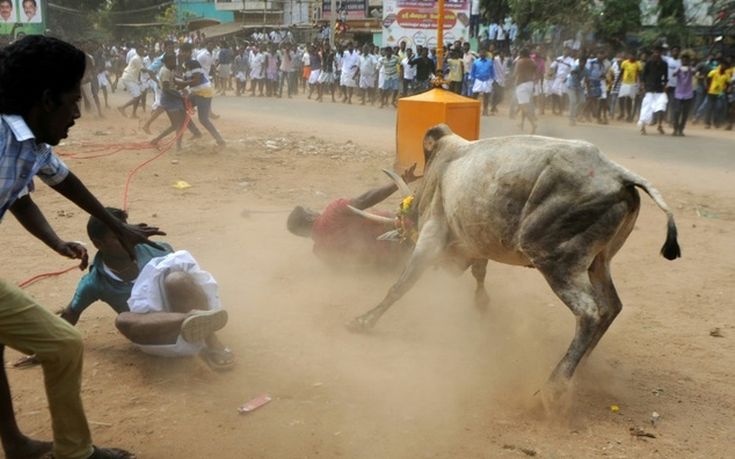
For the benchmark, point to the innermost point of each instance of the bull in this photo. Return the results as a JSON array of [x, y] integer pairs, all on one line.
[[559, 206]]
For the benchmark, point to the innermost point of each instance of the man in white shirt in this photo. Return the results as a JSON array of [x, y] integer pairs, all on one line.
[[368, 69], [204, 57], [674, 63], [131, 81], [409, 73], [562, 66], [350, 67]]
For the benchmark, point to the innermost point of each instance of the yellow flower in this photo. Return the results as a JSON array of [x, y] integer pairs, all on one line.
[[406, 204]]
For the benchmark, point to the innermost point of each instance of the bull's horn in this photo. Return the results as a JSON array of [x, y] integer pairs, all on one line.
[[402, 185], [373, 217]]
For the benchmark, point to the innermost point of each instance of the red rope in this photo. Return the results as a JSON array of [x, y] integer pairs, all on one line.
[[39, 277], [117, 148]]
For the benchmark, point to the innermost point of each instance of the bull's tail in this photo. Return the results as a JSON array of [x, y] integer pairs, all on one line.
[[670, 249]]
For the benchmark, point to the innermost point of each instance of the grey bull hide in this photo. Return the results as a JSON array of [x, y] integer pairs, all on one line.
[[559, 206]]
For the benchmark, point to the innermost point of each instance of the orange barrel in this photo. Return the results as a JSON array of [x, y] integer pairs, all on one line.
[[416, 114]]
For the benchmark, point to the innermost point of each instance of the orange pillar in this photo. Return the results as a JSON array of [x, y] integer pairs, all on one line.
[[417, 114]]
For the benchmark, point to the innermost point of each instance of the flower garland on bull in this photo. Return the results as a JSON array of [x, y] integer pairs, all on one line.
[[406, 221]]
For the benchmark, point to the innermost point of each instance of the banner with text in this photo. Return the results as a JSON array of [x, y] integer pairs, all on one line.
[[22, 17], [415, 22]]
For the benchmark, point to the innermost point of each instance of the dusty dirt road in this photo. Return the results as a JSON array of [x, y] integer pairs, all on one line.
[[436, 378]]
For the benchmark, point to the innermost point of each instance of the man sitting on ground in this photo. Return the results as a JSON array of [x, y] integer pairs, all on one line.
[[167, 306], [343, 238]]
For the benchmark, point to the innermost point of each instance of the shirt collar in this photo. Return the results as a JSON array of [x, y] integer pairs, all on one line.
[[20, 129]]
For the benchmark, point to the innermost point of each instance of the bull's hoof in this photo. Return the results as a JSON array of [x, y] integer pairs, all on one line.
[[482, 301], [360, 324], [555, 398]]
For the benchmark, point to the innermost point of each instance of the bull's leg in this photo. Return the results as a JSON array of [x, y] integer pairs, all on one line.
[[607, 297], [482, 299], [430, 244], [577, 292]]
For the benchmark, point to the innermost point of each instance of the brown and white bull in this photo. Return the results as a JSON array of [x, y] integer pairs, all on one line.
[[559, 206]]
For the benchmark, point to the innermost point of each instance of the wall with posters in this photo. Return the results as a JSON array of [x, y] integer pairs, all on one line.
[[414, 21], [22, 17]]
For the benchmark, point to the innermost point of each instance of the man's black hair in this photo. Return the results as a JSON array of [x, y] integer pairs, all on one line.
[[34, 65], [7, 1], [185, 47], [31, 1], [96, 230]]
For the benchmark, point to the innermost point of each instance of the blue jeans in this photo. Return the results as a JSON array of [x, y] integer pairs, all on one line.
[[204, 106]]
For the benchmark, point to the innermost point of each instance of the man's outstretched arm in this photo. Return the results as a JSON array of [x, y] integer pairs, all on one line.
[[29, 215]]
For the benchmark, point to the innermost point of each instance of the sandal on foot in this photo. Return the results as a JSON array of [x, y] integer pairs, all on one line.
[[201, 324], [218, 359]]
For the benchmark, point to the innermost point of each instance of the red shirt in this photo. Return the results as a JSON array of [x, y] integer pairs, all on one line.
[[341, 237]]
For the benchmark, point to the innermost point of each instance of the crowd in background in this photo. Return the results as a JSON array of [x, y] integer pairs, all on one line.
[[587, 85]]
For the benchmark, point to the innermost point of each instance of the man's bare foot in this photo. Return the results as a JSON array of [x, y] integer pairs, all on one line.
[[147, 128], [122, 111]]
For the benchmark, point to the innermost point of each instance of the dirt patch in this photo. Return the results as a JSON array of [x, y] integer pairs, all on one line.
[[436, 378]]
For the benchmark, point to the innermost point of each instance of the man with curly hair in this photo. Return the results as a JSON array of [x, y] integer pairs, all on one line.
[[40, 90]]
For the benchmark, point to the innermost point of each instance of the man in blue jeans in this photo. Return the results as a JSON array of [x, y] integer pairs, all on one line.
[[201, 91]]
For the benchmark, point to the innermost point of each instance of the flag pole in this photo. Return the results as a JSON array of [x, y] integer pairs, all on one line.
[[440, 44]]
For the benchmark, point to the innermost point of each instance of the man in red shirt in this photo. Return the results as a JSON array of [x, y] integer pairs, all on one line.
[[343, 238]]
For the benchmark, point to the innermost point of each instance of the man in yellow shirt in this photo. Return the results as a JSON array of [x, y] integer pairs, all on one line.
[[719, 78], [630, 71]]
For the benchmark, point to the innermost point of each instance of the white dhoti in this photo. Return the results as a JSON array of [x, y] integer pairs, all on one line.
[[558, 86], [348, 79], [524, 92], [367, 81], [314, 76], [653, 102], [628, 90], [148, 295], [102, 80], [482, 87]]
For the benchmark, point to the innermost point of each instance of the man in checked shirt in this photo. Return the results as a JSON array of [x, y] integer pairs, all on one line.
[[39, 100]]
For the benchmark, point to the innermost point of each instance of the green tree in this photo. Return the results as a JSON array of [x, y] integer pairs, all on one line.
[[616, 19], [571, 14]]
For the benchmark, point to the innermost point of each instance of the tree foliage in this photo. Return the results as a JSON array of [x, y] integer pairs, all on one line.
[[495, 10], [575, 14], [616, 19]]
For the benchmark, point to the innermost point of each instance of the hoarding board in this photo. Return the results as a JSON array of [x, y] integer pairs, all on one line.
[[415, 22]]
